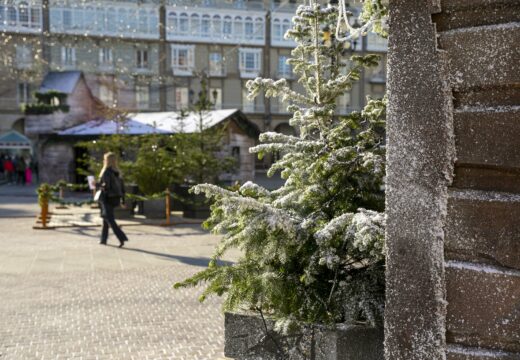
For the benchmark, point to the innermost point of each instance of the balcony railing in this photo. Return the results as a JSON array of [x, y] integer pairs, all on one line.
[[220, 4]]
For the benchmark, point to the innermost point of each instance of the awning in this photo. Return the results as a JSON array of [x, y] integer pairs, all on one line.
[[150, 123], [14, 140]]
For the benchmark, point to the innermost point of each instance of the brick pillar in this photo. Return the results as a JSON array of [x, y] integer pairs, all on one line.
[[453, 280]]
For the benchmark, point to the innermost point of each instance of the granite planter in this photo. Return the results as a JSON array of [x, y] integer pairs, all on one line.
[[121, 213], [246, 339], [196, 207], [154, 209]]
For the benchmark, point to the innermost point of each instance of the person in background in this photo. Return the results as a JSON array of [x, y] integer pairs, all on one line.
[[9, 169], [2, 170], [20, 170], [112, 195], [28, 171]]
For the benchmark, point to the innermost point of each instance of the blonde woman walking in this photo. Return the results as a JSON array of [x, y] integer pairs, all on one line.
[[112, 195]]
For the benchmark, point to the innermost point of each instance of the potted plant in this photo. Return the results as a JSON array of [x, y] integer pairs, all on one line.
[[201, 154], [312, 252], [154, 170]]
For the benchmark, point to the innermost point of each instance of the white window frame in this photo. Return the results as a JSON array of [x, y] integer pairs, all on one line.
[[216, 66], [218, 101], [248, 106], [106, 58], [121, 20], [142, 59], [68, 57], [284, 69], [250, 72], [142, 97], [23, 95], [177, 67], [182, 98]]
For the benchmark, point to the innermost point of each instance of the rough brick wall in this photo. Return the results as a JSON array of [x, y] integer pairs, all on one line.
[[454, 246]]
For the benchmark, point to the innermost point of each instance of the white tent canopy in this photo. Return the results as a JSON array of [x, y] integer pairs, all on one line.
[[149, 123]]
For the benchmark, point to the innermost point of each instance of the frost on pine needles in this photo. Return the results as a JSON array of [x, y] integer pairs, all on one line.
[[312, 250]]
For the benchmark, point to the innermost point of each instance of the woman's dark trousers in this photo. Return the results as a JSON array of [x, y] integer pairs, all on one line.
[[107, 212]]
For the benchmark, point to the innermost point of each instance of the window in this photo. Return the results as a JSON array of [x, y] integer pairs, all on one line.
[[216, 97], [2, 15], [216, 66], [250, 62], [143, 21], [182, 59], [184, 24], [106, 94], [217, 26], [123, 20], [132, 21], [172, 22], [105, 57], [248, 28], [286, 25], [112, 20], [277, 30], [141, 59], [195, 23], [23, 94], [284, 69], [11, 16], [181, 98], [24, 56], [259, 29], [239, 27], [153, 22], [227, 28], [100, 20], [247, 104], [343, 103], [23, 14], [77, 19], [68, 56], [206, 25], [36, 17], [142, 97], [67, 19]]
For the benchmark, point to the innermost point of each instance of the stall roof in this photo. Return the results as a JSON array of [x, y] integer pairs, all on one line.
[[152, 122], [14, 140], [111, 127], [62, 81]]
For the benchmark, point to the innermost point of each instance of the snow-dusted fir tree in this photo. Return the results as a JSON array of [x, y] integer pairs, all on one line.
[[313, 250]]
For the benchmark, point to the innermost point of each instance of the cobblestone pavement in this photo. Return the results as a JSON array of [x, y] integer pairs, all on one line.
[[62, 295]]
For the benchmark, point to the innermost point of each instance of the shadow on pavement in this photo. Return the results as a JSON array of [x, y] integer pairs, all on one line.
[[193, 261]]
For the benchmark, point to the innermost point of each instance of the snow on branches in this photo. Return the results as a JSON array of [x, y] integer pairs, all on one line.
[[312, 250]]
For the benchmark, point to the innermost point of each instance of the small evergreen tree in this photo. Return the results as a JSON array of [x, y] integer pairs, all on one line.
[[313, 250], [202, 151]]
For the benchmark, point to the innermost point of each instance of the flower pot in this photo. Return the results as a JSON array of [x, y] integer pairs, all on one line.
[[154, 209], [246, 338]]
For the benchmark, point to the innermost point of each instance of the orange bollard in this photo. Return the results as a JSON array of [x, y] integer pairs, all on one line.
[[45, 213]]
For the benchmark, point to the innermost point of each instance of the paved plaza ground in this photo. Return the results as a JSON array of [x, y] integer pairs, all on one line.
[[62, 295]]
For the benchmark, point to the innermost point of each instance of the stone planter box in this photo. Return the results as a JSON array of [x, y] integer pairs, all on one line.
[[196, 207], [246, 339], [154, 209], [120, 213]]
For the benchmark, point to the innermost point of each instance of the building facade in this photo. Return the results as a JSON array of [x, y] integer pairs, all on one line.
[[149, 55]]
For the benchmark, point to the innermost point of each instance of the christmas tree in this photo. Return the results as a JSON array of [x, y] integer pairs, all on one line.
[[312, 250]]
